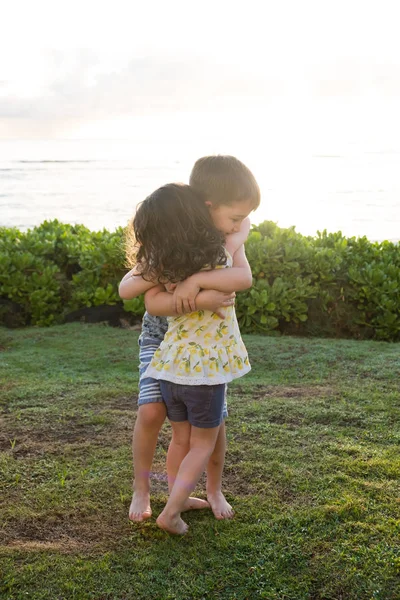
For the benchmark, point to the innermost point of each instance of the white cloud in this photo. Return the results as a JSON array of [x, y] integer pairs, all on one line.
[[164, 57], [81, 89]]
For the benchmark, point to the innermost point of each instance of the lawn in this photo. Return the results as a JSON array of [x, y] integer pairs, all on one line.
[[312, 471]]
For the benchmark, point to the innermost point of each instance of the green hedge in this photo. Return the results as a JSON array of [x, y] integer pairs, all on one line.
[[324, 285], [55, 269], [327, 285]]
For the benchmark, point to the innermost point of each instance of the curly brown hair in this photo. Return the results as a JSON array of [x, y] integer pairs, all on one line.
[[173, 236]]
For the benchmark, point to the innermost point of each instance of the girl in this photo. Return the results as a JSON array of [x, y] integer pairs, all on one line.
[[200, 353]]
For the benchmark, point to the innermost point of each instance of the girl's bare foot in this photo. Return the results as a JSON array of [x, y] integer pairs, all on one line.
[[195, 504], [139, 509], [172, 524], [220, 506]]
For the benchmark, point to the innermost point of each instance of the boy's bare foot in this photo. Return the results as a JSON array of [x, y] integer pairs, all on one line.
[[172, 524], [220, 506], [139, 509], [195, 504]]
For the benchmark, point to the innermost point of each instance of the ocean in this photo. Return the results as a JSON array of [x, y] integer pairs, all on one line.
[[351, 186]]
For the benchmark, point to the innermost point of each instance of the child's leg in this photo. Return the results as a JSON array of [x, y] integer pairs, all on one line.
[[145, 434], [177, 451], [202, 407], [178, 448], [150, 417], [219, 505], [202, 442]]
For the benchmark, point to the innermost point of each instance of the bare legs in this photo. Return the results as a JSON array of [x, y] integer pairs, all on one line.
[[201, 445], [219, 505], [148, 424], [177, 451], [145, 434], [178, 448], [147, 427]]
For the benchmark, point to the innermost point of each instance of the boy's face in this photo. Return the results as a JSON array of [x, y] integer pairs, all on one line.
[[228, 217]]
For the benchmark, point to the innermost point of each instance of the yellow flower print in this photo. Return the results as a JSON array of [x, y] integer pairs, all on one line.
[[200, 345], [239, 362], [185, 365], [196, 348], [194, 316], [214, 363], [221, 331], [181, 333], [177, 319]]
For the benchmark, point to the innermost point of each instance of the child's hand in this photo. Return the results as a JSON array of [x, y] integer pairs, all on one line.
[[185, 295], [215, 301]]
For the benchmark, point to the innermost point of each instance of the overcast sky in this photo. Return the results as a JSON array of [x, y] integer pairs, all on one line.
[[87, 69]]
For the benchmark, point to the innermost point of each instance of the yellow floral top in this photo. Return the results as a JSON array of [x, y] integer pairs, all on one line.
[[200, 348]]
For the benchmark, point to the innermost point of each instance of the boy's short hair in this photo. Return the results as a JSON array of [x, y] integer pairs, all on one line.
[[224, 180]]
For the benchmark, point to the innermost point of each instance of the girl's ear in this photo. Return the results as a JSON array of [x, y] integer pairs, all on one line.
[[208, 203]]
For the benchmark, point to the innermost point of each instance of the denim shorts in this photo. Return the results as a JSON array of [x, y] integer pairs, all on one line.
[[201, 405], [149, 388]]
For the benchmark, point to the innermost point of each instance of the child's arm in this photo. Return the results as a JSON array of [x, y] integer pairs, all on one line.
[[221, 283], [235, 240], [133, 285], [161, 303], [236, 279]]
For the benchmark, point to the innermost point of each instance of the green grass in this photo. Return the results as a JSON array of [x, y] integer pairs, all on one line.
[[312, 471]]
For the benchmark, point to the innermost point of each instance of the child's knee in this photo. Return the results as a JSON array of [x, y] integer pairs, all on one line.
[[181, 441], [152, 414], [181, 434]]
